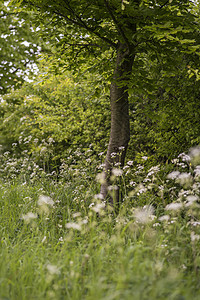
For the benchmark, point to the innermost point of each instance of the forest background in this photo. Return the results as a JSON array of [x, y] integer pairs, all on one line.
[[55, 123]]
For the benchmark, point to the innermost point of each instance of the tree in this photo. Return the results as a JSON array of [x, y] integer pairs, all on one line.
[[19, 47], [127, 29]]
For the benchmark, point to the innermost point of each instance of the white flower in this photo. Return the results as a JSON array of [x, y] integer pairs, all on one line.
[[29, 217], [164, 218], [98, 207], [73, 226], [153, 170], [113, 188], [77, 214], [191, 199], [99, 196], [194, 237], [101, 153], [194, 223], [184, 178], [130, 163], [144, 157], [144, 215], [197, 171], [52, 269], [45, 200], [51, 140], [184, 157], [173, 175], [117, 172], [140, 189], [113, 154], [174, 206], [175, 161], [101, 177], [195, 155]]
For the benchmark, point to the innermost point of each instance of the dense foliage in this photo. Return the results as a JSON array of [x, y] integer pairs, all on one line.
[[60, 239]]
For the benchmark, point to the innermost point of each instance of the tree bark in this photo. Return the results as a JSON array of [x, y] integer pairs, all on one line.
[[120, 126]]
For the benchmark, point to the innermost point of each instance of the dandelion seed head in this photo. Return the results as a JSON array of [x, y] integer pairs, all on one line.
[[144, 215]]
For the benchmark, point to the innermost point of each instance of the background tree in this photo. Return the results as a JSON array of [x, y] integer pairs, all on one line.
[[19, 47], [126, 29]]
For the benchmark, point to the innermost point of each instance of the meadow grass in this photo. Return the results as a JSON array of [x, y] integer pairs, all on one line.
[[59, 242]]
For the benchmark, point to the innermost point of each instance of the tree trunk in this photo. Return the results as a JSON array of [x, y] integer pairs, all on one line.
[[120, 127]]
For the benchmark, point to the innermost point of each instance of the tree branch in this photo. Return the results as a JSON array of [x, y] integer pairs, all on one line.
[[119, 28], [82, 24], [79, 22]]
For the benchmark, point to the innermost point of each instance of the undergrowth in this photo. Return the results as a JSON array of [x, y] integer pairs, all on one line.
[[59, 240]]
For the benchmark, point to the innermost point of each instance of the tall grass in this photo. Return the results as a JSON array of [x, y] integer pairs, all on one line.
[[59, 241]]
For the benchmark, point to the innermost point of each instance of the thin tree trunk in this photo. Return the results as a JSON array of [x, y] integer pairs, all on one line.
[[120, 127]]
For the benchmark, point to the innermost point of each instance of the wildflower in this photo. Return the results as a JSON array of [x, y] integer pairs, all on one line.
[[29, 217], [99, 196], [140, 189], [73, 226], [117, 172], [194, 223], [197, 171], [175, 161], [144, 157], [144, 215], [98, 207], [52, 269], [191, 199], [184, 157], [112, 188], [113, 154], [174, 206], [164, 218], [45, 200], [195, 155], [184, 178], [130, 163], [173, 175], [153, 171], [77, 214], [117, 164], [101, 153], [101, 177], [121, 148], [194, 237], [51, 140]]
